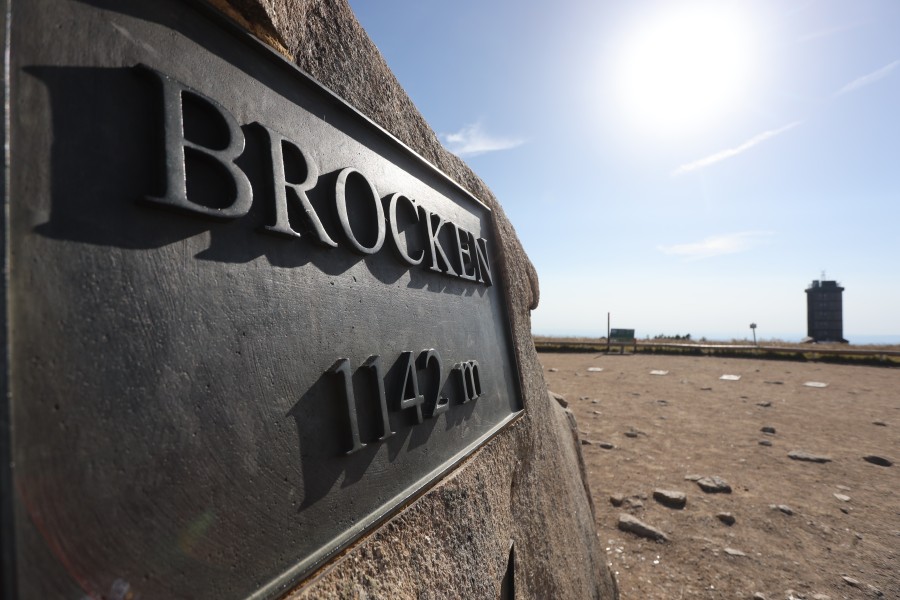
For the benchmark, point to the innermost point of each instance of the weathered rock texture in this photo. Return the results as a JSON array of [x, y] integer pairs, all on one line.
[[526, 486]]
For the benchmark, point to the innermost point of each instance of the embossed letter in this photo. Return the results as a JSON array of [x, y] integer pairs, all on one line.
[[395, 229], [374, 363], [482, 265], [409, 395], [340, 199], [177, 147], [435, 404], [341, 367], [435, 244], [282, 225], [464, 251], [470, 380]]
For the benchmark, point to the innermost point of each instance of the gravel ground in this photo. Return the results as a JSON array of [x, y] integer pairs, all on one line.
[[842, 536]]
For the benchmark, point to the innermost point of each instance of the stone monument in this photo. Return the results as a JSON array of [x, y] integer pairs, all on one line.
[[264, 336]]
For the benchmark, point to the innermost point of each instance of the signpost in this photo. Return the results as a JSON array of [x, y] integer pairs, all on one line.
[[244, 324]]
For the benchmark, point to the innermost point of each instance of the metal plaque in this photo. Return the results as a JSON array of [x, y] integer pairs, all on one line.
[[243, 324]]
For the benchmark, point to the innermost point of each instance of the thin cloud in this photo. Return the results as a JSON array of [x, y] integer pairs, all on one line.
[[472, 140], [868, 79], [732, 152], [823, 33], [729, 243]]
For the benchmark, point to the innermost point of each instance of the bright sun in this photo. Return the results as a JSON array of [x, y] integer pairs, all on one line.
[[681, 71]]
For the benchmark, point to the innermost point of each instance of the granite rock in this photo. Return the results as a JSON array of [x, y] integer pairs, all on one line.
[[525, 486]]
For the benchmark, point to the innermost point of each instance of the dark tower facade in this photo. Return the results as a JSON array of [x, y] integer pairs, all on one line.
[[825, 311]]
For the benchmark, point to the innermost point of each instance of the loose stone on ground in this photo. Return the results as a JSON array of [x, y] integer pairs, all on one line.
[[878, 460], [802, 455], [714, 485], [637, 527], [783, 508], [560, 399], [726, 517], [670, 498]]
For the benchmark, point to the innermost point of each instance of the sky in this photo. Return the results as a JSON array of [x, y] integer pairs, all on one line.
[[686, 167]]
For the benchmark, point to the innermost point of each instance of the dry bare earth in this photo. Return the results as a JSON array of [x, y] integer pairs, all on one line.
[[691, 422]]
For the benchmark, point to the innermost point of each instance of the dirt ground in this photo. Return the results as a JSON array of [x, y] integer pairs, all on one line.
[[689, 422]]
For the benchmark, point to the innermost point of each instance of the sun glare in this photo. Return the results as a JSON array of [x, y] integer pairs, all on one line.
[[682, 71]]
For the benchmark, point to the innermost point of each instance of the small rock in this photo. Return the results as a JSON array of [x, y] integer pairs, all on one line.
[[670, 498], [586, 442], [850, 581], [616, 499], [706, 389], [734, 552], [879, 423], [845, 510], [631, 433], [606, 445], [633, 503], [693, 477], [821, 597], [584, 397], [663, 402], [842, 497], [775, 382], [597, 412], [641, 529], [874, 590], [843, 488], [769, 430], [878, 460], [765, 442], [553, 370], [808, 456], [714, 485], [815, 384], [759, 596], [794, 595], [783, 508], [764, 404], [595, 369], [560, 399], [595, 402], [726, 517]]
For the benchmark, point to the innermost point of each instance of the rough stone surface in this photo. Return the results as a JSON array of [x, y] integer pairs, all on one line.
[[526, 486], [637, 527]]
